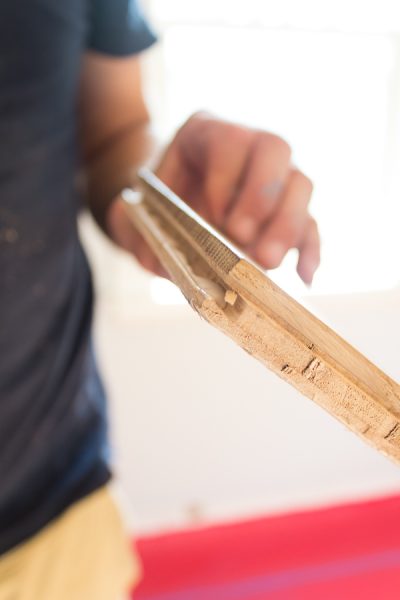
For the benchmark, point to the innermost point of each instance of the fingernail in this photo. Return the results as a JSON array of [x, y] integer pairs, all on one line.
[[244, 229], [272, 254]]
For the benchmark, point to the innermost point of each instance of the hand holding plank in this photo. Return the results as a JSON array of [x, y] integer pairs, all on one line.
[[242, 181]]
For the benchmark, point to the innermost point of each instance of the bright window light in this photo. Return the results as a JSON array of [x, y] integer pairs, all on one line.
[[334, 95], [353, 15], [164, 292]]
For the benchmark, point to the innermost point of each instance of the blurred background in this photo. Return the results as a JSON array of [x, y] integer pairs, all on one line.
[[198, 425]]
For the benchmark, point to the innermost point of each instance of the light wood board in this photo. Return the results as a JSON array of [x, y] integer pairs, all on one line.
[[238, 298]]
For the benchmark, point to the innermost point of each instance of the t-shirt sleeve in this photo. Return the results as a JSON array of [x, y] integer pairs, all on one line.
[[118, 27]]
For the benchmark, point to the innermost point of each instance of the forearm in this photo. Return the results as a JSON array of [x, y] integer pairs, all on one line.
[[114, 128], [113, 166]]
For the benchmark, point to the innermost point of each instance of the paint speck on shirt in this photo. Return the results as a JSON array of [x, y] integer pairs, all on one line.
[[9, 235]]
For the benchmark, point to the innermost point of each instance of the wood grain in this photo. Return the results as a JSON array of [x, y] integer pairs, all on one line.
[[239, 299]]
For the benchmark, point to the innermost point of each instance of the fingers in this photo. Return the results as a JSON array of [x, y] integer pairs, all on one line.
[[264, 181], [120, 229], [204, 164], [264, 200], [123, 233], [309, 252], [227, 161], [241, 181], [286, 228]]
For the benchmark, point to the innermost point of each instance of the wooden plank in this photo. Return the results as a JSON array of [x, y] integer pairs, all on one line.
[[238, 298]]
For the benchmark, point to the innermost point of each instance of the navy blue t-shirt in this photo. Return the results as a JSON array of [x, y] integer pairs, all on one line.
[[52, 415]]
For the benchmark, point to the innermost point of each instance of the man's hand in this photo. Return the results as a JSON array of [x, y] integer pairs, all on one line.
[[241, 180]]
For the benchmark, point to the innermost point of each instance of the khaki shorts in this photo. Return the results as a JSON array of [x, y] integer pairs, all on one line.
[[85, 554]]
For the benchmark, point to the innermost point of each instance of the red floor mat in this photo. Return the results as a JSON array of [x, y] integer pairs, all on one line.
[[339, 553]]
